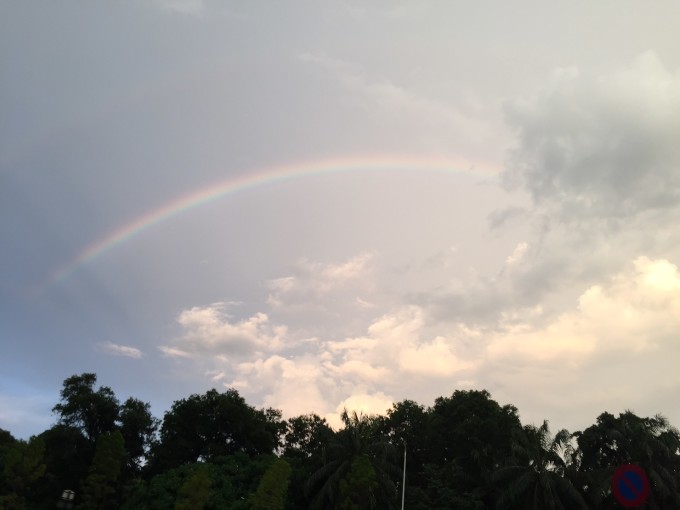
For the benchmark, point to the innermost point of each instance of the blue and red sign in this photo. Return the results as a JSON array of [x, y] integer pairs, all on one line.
[[630, 485]]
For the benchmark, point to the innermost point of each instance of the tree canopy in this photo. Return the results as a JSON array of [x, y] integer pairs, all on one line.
[[214, 450]]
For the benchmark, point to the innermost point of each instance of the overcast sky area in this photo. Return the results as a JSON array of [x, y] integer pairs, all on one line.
[[341, 204]]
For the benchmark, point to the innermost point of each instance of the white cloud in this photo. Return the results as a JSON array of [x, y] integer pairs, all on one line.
[[361, 403], [517, 255], [634, 312], [210, 329], [314, 279], [173, 352], [295, 386], [121, 350], [631, 317], [616, 349]]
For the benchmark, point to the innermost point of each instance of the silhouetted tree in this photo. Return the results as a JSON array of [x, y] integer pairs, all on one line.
[[650, 443], [92, 412], [273, 487], [535, 477], [358, 438], [203, 427], [98, 492]]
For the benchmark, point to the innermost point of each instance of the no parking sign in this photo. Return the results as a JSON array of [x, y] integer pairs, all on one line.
[[630, 485]]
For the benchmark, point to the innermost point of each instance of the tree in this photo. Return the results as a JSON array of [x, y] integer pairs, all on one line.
[[650, 443], [204, 427], [233, 479], [23, 466], [404, 425], [271, 492], [195, 492], [305, 436], [357, 489], [359, 437], [68, 455], [100, 484], [303, 444], [535, 478], [469, 437], [92, 412], [138, 428]]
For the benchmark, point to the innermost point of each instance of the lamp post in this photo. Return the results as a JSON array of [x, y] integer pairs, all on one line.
[[403, 482], [67, 499]]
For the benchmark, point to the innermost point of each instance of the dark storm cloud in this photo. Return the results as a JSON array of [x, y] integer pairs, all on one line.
[[599, 147]]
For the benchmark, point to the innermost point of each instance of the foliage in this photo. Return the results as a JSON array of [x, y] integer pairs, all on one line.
[[271, 493], [138, 428], [305, 436], [470, 436], [92, 412], [359, 437], [99, 488], [535, 477], [233, 478], [68, 455], [650, 443], [195, 492], [23, 465], [357, 489], [204, 427], [215, 451]]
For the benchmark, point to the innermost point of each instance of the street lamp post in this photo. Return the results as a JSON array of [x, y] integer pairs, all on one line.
[[67, 499], [403, 482]]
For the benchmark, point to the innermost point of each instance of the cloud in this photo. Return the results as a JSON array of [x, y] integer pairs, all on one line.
[[318, 296], [634, 312], [619, 322], [314, 279], [210, 330], [616, 348], [363, 403], [173, 352], [517, 255], [603, 146], [121, 350]]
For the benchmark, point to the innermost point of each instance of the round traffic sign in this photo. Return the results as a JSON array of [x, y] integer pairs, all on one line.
[[630, 485]]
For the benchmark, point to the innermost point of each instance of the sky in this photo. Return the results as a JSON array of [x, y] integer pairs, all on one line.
[[344, 204]]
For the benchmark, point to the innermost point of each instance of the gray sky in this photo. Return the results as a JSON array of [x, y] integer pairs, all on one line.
[[434, 196]]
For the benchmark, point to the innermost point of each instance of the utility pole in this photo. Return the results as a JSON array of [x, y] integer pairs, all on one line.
[[403, 482]]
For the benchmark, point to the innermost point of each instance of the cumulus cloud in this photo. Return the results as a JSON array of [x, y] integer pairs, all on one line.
[[616, 348], [121, 350], [634, 312], [601, 146], [316, 296], [396, 356], [210, 329], [517, 255], [314, 279], [615, 326]]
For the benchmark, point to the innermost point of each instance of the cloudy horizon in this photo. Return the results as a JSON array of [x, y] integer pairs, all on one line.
[[341, 205]]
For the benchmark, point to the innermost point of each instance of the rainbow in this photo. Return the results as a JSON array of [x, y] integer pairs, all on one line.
[[267, 176]]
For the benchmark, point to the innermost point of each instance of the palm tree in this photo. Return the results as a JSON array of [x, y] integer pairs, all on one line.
[[650, 443], [535, 477], [359, 468]]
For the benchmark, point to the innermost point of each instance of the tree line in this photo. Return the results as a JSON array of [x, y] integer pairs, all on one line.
[[215, 451]]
